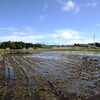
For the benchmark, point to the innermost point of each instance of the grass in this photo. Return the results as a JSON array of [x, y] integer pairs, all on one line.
[[74, 49], [27, 51], [1, 52], [94, 50]]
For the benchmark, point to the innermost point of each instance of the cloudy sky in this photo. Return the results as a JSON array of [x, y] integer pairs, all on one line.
[[50, 21]]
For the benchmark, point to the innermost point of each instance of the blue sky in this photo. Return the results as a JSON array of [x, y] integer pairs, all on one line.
[[50, 21]]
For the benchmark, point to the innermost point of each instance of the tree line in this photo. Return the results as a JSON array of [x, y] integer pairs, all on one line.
[[97, 44], [19, 45]]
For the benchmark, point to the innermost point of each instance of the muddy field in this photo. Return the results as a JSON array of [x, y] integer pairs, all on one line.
[[50, 75]]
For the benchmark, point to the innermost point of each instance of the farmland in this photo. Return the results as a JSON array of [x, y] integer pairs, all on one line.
[[50, 75]]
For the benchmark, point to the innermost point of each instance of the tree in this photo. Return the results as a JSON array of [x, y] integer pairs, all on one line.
[[28, 45], [97, 44], [37, 45]]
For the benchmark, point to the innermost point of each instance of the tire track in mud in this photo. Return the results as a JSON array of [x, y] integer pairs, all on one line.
[[2, 67], [10, 77], [58, 64], [55, 89], [79, 70], [62, 90], [55, 68], [9, 73], [29, 81], [38, 69], [46, 69], [65, 61], [20, 74], [23, 69], [16, 89], [3, 80], [44, 76]]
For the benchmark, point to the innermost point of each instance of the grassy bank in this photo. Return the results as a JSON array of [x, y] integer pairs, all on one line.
[[1, 52], [87, 49], [51, 49], [73, 49]]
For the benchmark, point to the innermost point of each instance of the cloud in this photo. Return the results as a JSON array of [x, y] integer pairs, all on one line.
[[68, 37], [19, 33], [74, 7], [92, 4], [45, 7], [15, 31], [82, 41], [13, 34], [58, 42], [97, 24], [60, 36], [42, 17], [9, 29], [66, 34], [70, 6], [32, 38], [71, 42], [29, 30]]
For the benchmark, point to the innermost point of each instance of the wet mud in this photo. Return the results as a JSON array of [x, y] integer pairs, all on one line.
[[50, 75]]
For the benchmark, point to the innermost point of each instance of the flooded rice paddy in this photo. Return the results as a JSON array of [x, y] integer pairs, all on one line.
[[50, 75]]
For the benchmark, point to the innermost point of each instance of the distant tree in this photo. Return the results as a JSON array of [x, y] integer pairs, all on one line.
[[12, 45], [37, 45], [28, 45], [5, 45], [97, 44], [76, 44]]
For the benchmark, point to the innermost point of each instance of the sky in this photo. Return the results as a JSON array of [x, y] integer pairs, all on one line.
[[57, 22]]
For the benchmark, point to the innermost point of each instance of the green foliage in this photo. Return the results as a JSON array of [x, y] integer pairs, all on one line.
[[1, 52], [97, 44], [12, 45], [27, 45], [18, 45], [87, 45], [37, 45]]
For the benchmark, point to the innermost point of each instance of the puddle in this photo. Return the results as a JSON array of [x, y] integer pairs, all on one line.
[[9, 70]]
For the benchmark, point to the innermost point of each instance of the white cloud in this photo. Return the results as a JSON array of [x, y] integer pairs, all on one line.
[[82, 41], [9, 29], [77, 9], [58, 42], [29, 30], [92, 4], [13, 34], [74, 7], [42, 17], [60, 36], [97, 24], [19, 33], [71, 42], [70, 6], [67, 37], [21, 38], [15, 31], [45, 7], [67, 34]]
